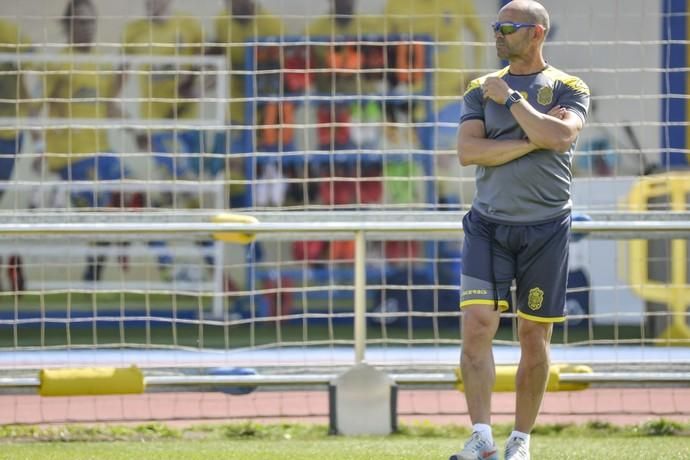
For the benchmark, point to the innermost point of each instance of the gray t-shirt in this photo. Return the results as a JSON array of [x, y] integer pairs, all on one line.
[[535, 187]]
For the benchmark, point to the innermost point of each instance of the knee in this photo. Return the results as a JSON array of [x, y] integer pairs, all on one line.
[[479, 322], [479, 327], [534, 340]]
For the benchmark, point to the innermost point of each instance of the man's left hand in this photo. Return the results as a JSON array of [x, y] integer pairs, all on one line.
[[496, 89]]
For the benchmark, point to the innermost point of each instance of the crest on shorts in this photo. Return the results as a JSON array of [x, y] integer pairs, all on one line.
[[535, 299], [545, 95]]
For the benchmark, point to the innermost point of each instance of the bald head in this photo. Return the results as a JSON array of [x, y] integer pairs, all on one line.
[[157, 8], [529, 11], [343, 7], [241, 8]]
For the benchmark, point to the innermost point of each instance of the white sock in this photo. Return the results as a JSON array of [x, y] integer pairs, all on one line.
[[484, 430], [520, 435]]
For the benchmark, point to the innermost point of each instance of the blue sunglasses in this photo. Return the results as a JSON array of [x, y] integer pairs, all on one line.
[[507, 28]]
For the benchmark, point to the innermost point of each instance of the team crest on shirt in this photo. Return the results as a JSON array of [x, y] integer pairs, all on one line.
[[545, 95], [535, 299]]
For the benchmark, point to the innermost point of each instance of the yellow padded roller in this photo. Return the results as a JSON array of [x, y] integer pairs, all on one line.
[[234, 237], [505, 378], [91, 381]]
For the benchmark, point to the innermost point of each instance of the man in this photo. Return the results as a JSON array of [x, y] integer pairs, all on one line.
[[166, 94], [240, 23], [519, 127], [445, 23], [12, 91], [163, 91], [81, 89], [451, 25], [341, 21], [337, 56]]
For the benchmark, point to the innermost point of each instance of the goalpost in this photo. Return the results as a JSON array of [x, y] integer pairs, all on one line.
[[345, 155]]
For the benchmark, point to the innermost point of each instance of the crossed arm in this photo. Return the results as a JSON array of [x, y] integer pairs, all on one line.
[[475, 149], [555, 130]]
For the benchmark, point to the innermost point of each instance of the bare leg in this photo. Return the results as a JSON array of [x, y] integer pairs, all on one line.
[[533, 372], [479, 325]]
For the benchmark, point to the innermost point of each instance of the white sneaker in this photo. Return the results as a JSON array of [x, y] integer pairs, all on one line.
[[516, 449], [476, 448]]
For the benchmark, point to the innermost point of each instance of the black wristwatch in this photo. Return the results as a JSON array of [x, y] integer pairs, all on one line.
[[512, 99]]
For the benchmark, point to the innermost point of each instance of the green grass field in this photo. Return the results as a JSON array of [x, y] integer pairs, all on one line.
[[249, 441], [343, 449]]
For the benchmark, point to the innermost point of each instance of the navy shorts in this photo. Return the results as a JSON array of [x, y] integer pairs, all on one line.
[[534, 255]]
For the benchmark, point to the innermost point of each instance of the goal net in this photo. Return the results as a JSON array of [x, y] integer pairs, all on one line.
[[172, 113]]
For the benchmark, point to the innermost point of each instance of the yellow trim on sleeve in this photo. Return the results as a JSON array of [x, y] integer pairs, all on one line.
[[539, 319], [474, 84], [502, 304], [571, 81]]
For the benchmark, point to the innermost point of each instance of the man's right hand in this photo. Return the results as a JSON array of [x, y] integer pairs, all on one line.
[[557, 112]]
